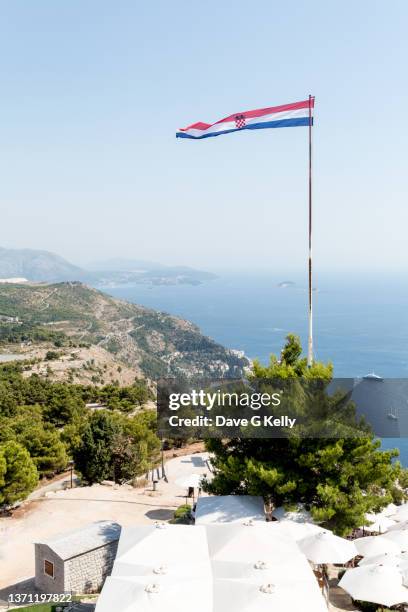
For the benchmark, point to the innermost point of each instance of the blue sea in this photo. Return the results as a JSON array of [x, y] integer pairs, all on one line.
[[360, 323]]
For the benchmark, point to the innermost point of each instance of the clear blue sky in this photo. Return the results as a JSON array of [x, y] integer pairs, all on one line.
[[93, 91]]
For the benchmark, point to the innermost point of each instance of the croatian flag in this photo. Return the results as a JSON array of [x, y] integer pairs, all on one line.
[[287, 115]]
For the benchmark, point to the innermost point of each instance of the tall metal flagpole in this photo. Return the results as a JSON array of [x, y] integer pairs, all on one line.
[[310, 340]]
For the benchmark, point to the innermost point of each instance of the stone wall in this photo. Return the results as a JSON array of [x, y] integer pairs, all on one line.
[[87, 573], [45, 583]]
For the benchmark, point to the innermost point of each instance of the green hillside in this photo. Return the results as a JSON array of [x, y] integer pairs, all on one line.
[[155, 343]]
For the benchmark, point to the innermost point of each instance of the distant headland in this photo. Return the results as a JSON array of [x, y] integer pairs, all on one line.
[[44, 266]]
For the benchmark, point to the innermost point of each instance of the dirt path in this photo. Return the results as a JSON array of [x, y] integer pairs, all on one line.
[[46, 297]]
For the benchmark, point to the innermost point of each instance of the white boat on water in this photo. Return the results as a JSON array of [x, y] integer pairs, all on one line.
[[373, 376], [393, 414]]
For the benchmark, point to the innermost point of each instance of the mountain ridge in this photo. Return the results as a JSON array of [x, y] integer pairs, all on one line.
[[35, 264], [45, 266], [153, 343]]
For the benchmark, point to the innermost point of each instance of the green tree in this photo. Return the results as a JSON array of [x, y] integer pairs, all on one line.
[[129, 458], [137, 448], [8, 402], [63, 404], [71, 435], [115, 446], [41, 439], [18, 474], [45, 447], [93, 457], [3, 470], [337, 479]]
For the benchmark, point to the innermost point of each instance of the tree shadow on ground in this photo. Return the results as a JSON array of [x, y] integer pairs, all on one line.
[[161, 514], [196, 461]]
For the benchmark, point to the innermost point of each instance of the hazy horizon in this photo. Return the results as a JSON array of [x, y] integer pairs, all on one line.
[[277, 272], [93, 95]]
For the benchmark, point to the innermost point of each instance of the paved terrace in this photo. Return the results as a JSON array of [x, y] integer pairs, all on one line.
[[64, 510], [61, 511]]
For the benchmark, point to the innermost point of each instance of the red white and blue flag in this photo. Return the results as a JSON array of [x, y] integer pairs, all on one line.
[[286, 115]]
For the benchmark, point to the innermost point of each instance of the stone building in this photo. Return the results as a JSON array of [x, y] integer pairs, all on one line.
[[77, 561]]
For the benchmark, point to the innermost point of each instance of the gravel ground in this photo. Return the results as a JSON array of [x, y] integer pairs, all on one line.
[[61, 511]]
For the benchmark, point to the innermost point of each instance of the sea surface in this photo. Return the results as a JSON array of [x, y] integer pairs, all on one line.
[[360, 323]]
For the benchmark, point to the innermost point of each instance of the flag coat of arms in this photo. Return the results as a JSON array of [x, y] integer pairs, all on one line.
[[286, 115]]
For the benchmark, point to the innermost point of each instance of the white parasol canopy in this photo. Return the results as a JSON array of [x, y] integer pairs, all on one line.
[[296, 531], [249, 543], [176, 570], [266, 596], [163, 593], [299, 515], [229, 509], [375, 545], [399, 536], [389, 510], [325, 547], [399, 526], [191, 480], [378, 522], [386, 559], [293, 572], [257, 553], [149, 550], [375, 583], [401, 514]]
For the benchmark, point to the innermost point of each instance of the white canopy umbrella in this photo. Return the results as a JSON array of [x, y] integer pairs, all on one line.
[[179, 569], [325, 547], [257, 553], [265, 597], [375, 583], [149, 550], [375, 545], [191, 480], [299, 515], [216, 509], [389, 510], [162, 593], [399, 536], [399, 526], [401, 513], [378, 522], [294, 571], [296, 531], [249, 543], [389, 559]]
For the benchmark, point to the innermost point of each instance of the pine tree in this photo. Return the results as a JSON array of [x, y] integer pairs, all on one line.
[[93, 457], [18, 474], [338, 479]]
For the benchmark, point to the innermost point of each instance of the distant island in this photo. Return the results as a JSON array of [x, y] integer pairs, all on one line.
[[286, 284], [119, 272], [44, 266]]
